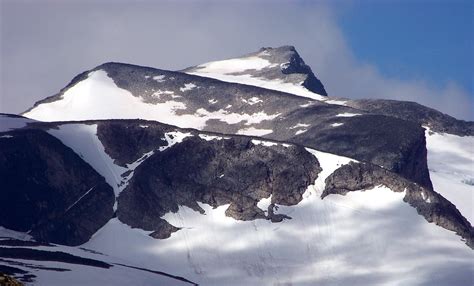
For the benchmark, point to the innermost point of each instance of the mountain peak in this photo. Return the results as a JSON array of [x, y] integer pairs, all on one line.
[[280, 66]]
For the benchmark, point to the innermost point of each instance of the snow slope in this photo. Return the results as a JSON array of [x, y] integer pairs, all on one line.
[[317, 246], [224, 70], [451, 166], [87, 99]]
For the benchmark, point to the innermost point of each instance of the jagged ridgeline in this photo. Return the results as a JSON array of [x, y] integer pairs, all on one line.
[[240, 171]]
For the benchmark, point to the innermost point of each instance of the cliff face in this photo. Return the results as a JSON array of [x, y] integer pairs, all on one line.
[[49, 191]]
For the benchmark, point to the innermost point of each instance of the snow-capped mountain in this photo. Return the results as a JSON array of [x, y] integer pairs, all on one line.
[[234, 172], [279, 69]]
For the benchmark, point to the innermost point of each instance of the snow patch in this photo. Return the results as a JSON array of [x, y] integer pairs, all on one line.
[[233, 118], [252, 131], [336, 102], [299, 125], [337, 124], [234, 65], [348, 114], [301, 131], [264, 203], [159, 78], [188, 86], [307, 104], [252, 101], [211, 137], [264, 143], [173, 138], [329, 163]]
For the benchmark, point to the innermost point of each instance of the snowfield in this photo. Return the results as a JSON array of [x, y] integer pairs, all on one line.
[[451, 165], [317, 246], [86, 100]]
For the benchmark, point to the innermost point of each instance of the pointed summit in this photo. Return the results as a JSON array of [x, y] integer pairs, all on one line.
[[279, 68]]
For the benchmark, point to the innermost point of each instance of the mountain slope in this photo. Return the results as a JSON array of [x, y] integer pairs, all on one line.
[[188, 101]]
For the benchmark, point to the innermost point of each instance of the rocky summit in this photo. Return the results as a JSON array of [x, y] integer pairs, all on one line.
[[242, 171]]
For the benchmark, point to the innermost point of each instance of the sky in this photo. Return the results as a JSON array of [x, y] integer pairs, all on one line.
[[394, 49]]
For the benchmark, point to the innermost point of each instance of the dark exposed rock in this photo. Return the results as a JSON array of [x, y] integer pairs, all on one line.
[[397, 145], [6, 280], [126, 142], [16, 242], [412, 111], [42, 255], [432, 206], [229, 171], [49, 190], [160, 273], [275, 217], [163, 230]]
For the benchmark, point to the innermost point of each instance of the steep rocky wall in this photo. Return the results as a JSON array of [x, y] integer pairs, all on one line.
[[49, 190]]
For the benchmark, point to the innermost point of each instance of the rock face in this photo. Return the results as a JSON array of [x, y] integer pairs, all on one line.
[[49, 190], [232, 171], [414, 112], [395, 144], [429, 204], [211, 169], [6, 280]]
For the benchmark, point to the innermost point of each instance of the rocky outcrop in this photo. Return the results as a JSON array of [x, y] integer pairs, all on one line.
[[49, 191], [6, 280], [127, 141], [432, 206], [396, 145], [232, 171]]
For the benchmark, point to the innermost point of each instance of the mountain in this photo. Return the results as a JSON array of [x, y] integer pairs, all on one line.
[[241, 171]]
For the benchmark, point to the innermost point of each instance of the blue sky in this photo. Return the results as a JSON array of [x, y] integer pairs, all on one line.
[[431, 40], [406, 50]]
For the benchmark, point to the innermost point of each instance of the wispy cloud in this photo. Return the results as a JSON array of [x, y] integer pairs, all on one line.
[[45, 44]]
